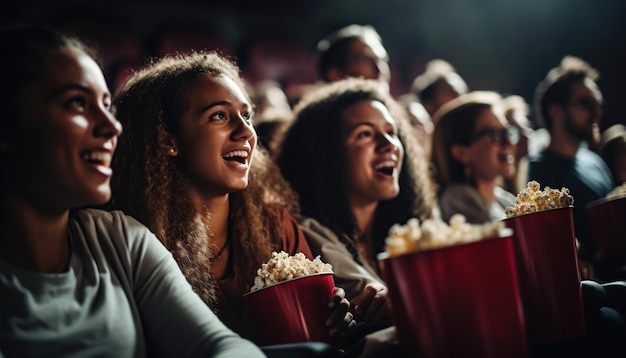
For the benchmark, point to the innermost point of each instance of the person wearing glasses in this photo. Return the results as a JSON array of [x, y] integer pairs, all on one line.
[[473, 148], [568, 103]]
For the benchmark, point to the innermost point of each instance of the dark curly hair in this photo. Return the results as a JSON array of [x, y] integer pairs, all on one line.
[[311, 158], [149, 185]]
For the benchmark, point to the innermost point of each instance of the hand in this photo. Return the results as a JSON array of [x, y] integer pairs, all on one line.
[[371, 305], [340, 320]]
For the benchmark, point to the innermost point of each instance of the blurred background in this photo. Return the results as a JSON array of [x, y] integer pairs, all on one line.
[[502, 45]]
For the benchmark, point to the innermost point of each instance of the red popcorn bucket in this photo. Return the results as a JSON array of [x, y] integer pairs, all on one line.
[[547, 263], [291, 311], [608, 227], [457, 301]]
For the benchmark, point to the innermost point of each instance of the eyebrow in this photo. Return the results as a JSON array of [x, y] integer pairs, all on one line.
[[77, 87], [370, 124], [222, 103]]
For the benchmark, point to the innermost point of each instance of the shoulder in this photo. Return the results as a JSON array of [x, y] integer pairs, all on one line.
[[114, 229], [504, 197], [108, 221], [589, 158], [459, 191]]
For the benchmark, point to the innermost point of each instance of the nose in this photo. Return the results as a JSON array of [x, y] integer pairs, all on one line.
[[243, 129], [387, 143], [107, 125]]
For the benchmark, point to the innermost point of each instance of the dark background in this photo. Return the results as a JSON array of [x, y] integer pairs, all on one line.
[[501, 45]]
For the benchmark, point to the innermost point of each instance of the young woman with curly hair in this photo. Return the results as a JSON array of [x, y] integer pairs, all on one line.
[[188, 168], [350, 156]]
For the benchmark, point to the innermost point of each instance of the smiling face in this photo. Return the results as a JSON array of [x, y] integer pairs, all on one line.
[[215, 140], [373, 153], [61, 153], [488, 156]]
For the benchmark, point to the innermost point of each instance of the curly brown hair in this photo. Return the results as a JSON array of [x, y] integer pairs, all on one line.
[[312, 160], [149, 185]]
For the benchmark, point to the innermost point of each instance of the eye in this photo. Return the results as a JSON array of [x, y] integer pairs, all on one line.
[[77, 103], [112, 109], [248, 117], [364, 134], [218, 116]]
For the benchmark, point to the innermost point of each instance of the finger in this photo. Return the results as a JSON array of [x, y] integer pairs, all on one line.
[[346, 323], [338, 313], [338, 295], [364, 300], [376, 304]]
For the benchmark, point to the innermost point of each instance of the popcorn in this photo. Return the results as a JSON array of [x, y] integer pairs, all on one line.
[[617, 191], [435, 233], [532, 199], [282, 267]]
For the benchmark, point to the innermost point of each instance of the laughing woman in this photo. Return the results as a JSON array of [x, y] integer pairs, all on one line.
[[189, 169], [473, 147], [350, 156], [80, 282]]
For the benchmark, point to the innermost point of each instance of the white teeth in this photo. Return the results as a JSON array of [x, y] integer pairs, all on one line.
[[236, 153], [103, 157], [386, 164]]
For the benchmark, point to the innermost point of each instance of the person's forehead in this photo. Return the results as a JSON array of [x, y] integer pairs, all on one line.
[[585, 88], [369, 47]]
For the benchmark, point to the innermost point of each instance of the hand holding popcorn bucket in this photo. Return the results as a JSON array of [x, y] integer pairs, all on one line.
[[454, 299], [289, 301], [545, 252]]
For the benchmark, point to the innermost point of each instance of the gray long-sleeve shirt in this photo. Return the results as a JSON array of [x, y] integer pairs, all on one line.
[[123, 295]]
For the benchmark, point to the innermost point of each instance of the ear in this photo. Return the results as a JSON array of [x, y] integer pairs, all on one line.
[[171, 147], [334, 74], [460, 153]]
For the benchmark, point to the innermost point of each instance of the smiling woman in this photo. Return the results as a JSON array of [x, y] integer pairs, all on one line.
[[80, 282], [350, 156], [473, 148], [201, 184]]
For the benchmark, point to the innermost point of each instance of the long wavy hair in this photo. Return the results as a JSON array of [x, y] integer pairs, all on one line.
[[312, 159], [149, 185]]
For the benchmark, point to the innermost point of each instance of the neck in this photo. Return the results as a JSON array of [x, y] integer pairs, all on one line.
[[364, 215], [216, 209], [32, 239], [486, 189], [563, 144]]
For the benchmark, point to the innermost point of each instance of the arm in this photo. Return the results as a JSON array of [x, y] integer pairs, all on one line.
[[177, 322], [348, 273], [365, 290]]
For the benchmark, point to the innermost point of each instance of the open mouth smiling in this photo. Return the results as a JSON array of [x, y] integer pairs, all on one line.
[[97, 157], [239, 156], [386, 168]]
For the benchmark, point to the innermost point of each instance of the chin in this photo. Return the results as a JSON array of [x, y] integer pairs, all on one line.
[[100, 196]]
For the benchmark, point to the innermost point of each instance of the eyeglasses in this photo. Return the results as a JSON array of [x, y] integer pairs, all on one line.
[[504, 136]]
